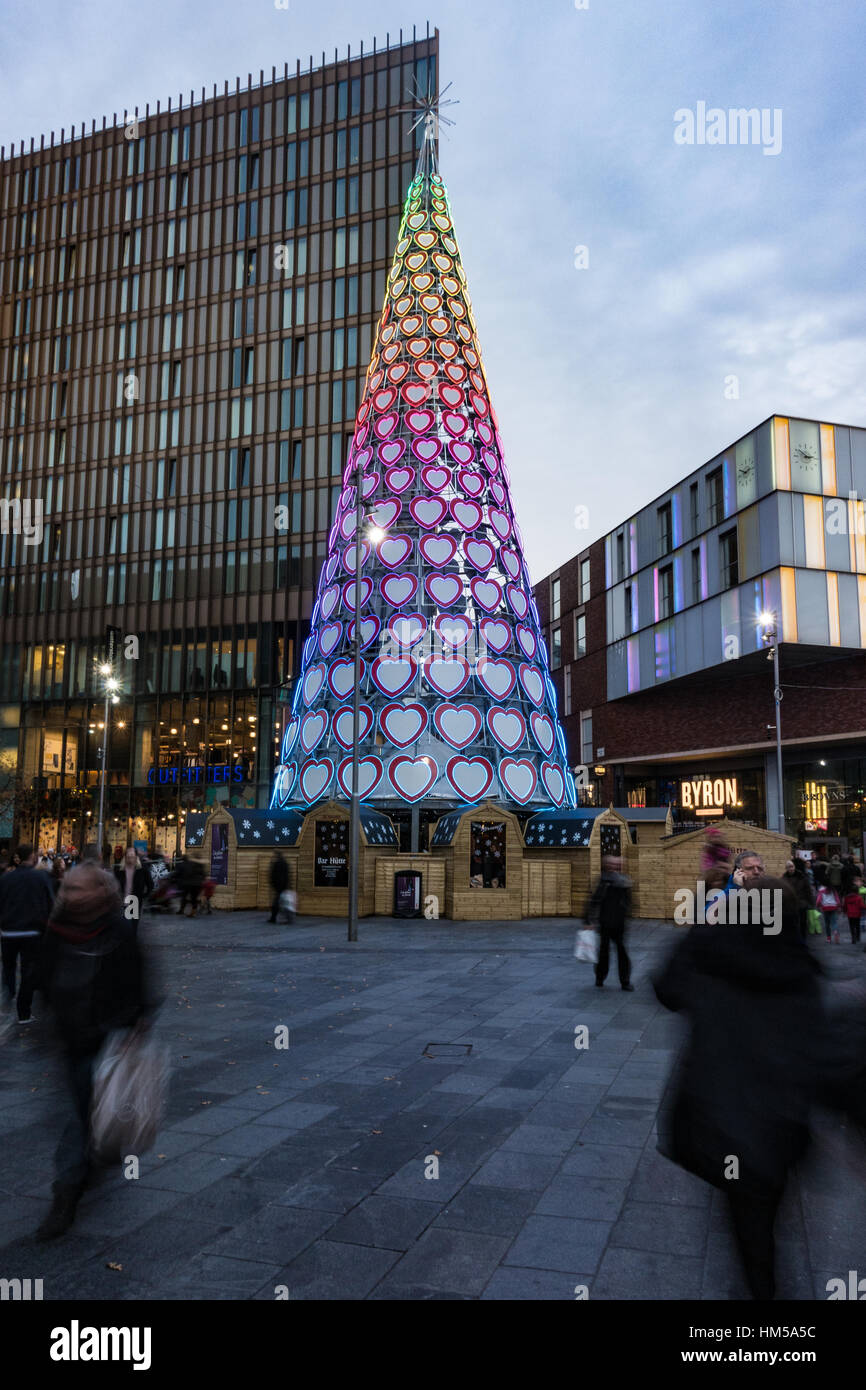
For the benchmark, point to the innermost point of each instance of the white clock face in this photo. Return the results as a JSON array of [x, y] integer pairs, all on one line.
[[746, 472], [805, 469]]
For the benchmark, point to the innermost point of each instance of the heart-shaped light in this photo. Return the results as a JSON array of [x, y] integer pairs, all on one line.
[[497, 676], [461, 452], [313, 727], [384, 399], [542, 731], [415, 260], [510, 561], [398, 589], [314, 680], [415, 393], [478, 402], [329, 638], [444, 589], [454, 630], [470, 777], [427, 449], [403, 305], [446, 675], [392, 452], [370, 773], [419, 347], [399, 479], [487, 593], [438, 550], [451, 396], [480, 554], [284, 780], [517, 600], [412, 778], [410, 325], [446, 348], [426, 370], [455, 372], [394, 551], [532, 682], [466, 513], [407, 628], [497, 492], [490, 461], [500, 522], [426, 239], [369, 631], [398, 372], [436, 477], [458, 725], [431, 303], [329, 600], [369, 485], [391, 352], [386, 424], [385, 513], [349, 556], [495, 634], [441, 261], [455, 424], [519, 778], [483, 430], [423, 281], [402, 724], [316, 777], [289, 736], [554, 782], [471, 482], [393, 675], [341, 676], [420, 421], [428, 511], [349, 593], [507, 726], [438, 324]]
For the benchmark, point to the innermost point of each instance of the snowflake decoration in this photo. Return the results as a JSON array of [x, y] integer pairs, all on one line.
[[271, 825], [257, 834], [247, 825]]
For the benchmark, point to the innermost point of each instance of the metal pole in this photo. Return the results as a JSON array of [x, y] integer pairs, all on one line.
[[355, 810], [99, 829], [777, 696]]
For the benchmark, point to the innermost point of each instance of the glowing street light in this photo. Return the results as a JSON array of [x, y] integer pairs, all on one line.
[[767, 622]]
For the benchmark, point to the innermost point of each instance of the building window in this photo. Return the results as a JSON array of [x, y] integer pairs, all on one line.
[[620, 556], [696, 576], [579, 636], [665, 529], [584, 581], [586, 736], [666, 592], [556, 649], [629, 624], [728, 559], [694, 516], [716, 497], [566, 692], [554, 599]]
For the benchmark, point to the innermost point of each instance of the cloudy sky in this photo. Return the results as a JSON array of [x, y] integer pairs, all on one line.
[[705, 262]]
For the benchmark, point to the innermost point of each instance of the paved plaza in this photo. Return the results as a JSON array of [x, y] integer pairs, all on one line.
[[309, 1171]]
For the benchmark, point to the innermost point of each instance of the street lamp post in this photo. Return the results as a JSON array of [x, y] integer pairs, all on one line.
[[110, 698], [770, 638], [355, 803]]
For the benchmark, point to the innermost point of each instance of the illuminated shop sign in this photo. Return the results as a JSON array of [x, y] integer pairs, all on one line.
[[218, 772], [708, 797]]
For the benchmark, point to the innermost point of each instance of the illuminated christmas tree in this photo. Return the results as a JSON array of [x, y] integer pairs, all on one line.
[[456, 702]]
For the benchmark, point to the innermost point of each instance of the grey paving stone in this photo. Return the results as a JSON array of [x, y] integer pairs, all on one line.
[[386, 1222], [491, 1210], [446, 1259], [658, 1180], [660, 1227], [518, 1170], [248, 1141], [559, 1243], [218, 1277], [589, 1198], [295, 1114], [329, 1270], [233, 1198], [538, 1285], [539, 1139], [275, 1234], [411, 1182], [640, 1274], [191, 1172], [601, 1129]]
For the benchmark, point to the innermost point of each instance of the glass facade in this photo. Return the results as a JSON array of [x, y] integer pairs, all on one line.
[[185, 299]]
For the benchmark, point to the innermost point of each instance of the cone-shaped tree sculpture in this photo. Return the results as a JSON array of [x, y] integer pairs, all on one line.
[[456, 704]]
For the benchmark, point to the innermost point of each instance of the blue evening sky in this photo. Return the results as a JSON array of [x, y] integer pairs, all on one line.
[[705, 261]]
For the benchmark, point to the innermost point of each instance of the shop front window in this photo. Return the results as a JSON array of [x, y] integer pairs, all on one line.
[[487, 858]]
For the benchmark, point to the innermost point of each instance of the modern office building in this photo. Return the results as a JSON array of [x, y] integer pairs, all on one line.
[[657, 639], [187, 303]]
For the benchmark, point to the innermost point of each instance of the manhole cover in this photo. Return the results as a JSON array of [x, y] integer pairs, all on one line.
[[447, 1050]]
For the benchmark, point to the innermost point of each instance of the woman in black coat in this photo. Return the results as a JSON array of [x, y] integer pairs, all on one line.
[[738, 1112]]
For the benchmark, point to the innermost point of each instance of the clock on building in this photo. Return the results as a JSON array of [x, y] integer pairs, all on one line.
[[805, 469]]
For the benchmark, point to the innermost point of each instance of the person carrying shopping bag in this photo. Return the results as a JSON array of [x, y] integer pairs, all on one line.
[[828, 904]]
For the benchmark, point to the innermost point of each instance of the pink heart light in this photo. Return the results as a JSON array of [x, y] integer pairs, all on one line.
[[412, 777], [519, 778], [542, 731], [341, 676], [397, 589], [313, 728], [470, 777], [458, 725], [480, 554], [392, 676], [426, 450], [487, 593], [403, 724], [370, 772], [461, 452], [436, 477], [498, 677], [399, 479], [507, 726], [444, 589], [316, 777], [343, 724], [438, 550], [394, 551], [466, 513], [386, 424], [554, 782], [392, 452], [471, 482]]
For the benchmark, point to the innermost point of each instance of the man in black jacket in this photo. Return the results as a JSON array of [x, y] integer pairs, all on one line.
[[26, 900], [610, 906], [279, 881]]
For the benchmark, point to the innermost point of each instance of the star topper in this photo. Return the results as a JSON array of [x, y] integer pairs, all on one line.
[[427, 107]]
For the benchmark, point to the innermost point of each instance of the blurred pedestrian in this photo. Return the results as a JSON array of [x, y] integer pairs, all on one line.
[[610, 907], [278, 877], [739, 1110], [828, 903], [796, 879], [133, 881], [91, 973], [188, 877], [853, 905], [26, 901]]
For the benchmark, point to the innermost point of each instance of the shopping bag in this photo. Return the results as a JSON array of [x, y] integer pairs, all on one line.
[[815, 921], [289, 902], [586, 945], [130, 1081]]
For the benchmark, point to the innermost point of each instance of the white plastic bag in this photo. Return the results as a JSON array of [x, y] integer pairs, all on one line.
[[586, 945], [289, 902], [130, 1080]]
